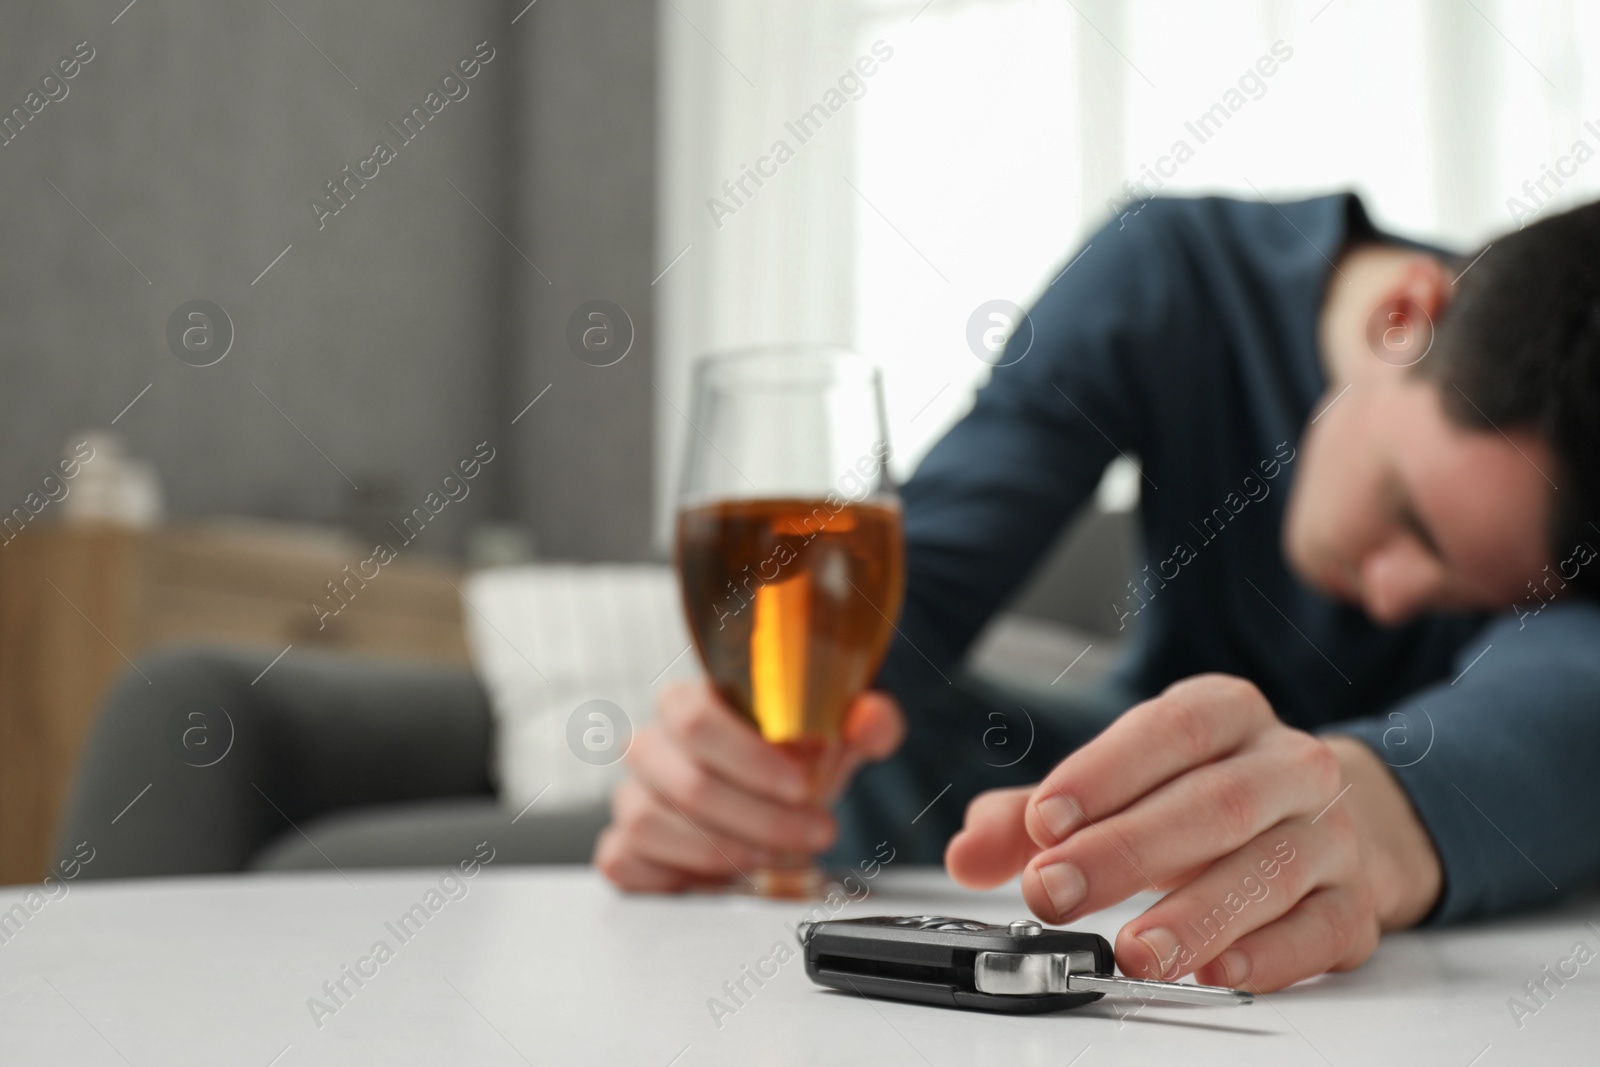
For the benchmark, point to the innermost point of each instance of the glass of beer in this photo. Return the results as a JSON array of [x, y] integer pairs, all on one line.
[[789, 551]]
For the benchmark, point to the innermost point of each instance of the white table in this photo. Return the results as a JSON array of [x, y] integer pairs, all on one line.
[[550, 966]]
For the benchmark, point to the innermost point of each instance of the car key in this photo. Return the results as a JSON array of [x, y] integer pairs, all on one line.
[[1022, 967]]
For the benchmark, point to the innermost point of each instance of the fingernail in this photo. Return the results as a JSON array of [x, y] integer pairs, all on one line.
[[1064, 884], [1163, 945], [1059, 815], [1235, 967]]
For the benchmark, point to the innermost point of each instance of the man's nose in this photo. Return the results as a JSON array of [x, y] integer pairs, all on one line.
[[1398, 580]]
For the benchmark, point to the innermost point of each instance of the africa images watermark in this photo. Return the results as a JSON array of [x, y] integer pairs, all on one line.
[[53, 888], [998, 735], [1210, 528], [600, 333], [1541, 989], [55, 490], [341, 190], [737, 992], [1252, 85], [1250, 890], [1399, 746], [599, 732], [1538, 190], [1582, 555], [854, 485], [352, 978], [451, 489], [53, 89], [200, 333], [852, 85], [201, 734]]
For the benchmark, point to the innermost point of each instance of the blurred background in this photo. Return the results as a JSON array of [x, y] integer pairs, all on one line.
[[367, 321]]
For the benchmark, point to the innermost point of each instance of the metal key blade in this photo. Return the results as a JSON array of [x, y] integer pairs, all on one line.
[[1146, 989], [1037, 973]]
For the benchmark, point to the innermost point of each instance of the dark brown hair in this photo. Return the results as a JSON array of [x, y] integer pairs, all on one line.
[[1519, 347]]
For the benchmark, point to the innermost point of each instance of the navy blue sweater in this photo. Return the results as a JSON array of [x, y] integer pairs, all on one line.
[[1187, 336]]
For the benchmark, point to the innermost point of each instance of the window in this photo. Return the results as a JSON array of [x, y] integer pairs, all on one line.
[[993, 143]]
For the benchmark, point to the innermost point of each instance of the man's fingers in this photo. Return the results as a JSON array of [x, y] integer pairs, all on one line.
[[1186, 824], [1255, 886], [628, 870], [874, 725], [1193, 722], [715, 735], [713, 804], [711, 799], [1332, 929], [993, 845], [874, 728], [657, 832]]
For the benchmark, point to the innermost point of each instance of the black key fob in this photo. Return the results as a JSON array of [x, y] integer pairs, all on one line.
[[933, 959]]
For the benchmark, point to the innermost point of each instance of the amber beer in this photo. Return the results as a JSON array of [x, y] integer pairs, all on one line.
[[792, 604]]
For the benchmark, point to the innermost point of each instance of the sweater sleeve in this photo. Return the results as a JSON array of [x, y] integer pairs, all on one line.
[[988, 500], [1501, 761]]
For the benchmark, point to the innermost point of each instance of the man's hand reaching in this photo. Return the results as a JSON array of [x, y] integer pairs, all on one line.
[[1282, 855]]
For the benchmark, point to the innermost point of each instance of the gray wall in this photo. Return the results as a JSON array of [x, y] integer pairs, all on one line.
[[586, 143], [398, 336]]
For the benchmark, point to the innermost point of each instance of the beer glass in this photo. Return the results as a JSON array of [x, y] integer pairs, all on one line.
[[789, 551]]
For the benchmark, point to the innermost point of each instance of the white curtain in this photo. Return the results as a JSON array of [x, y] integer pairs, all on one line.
[[762, 263], [989, 145]]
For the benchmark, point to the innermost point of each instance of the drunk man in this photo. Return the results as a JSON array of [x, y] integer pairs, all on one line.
[[1419, 561]]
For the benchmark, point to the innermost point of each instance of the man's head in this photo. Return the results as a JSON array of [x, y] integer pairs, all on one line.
[[1458, 462]]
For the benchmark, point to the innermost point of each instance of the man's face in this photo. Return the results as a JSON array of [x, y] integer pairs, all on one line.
[[1400, 510]]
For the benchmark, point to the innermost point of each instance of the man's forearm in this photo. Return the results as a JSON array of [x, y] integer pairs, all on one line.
[[1396, 851]]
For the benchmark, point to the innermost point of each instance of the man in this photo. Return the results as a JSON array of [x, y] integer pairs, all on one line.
[[1361, 694]]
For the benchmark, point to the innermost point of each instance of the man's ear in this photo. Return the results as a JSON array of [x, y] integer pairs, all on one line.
[[1400, 328], [1426, 282]]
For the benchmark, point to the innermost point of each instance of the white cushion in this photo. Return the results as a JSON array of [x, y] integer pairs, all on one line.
[[548, 638]]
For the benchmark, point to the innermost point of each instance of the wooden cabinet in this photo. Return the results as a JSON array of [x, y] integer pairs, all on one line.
[[77, 603]]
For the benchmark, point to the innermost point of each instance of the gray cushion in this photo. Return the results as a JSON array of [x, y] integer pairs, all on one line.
[[433, 833]]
